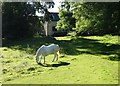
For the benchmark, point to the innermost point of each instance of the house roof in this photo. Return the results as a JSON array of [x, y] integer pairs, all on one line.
[[55, 17]]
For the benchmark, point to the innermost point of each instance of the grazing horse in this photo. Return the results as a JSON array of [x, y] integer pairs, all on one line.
[[45, 50]]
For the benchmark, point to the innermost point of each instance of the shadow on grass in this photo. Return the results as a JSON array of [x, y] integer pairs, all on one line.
[[74, 46], [55, 65]]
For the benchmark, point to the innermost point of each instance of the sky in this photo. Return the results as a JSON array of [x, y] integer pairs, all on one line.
[[55, 9], [57, 4]]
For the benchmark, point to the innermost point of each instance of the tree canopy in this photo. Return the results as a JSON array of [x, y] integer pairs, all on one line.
[[96, 18], [90, 18], [66, 21], [19, 18]]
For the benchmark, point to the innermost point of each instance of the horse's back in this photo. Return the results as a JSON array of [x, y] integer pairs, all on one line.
[[51, 48], [55, 46]]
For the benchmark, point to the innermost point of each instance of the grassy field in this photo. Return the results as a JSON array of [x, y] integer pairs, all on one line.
[[82, 60]]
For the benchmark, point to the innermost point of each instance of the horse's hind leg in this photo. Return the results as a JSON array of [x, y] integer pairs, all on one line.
[[57, 56], [37, 59], [40, 58], [54, 57], [44, 59]]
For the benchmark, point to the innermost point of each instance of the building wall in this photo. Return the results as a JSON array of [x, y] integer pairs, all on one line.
[[50, 32], [48, 27], [54, 23]]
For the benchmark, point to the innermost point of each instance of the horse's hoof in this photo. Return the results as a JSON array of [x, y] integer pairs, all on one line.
[[38, 63]]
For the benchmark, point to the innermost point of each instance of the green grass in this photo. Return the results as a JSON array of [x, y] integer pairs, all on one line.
[[82, 60]]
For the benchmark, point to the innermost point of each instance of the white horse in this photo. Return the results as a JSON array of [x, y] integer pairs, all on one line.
[[45, 50]]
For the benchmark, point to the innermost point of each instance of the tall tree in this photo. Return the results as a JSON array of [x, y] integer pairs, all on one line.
[[19, 18], [15, 20], [66, 21], [42, 7], [96, 18]]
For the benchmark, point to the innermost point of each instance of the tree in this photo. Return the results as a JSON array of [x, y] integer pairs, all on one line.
[[19, 18], [96, 18], [15, 21], [66, 21]]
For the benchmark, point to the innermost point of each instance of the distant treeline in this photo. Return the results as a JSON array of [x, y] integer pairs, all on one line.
[[98, 18]]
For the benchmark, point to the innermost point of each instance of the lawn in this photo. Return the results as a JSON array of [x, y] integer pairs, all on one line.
[[82, 60]]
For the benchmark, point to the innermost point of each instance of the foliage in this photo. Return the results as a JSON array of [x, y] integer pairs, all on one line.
[[96, 18], [66, 21], [42, 7], [16, 20], [19, 18]]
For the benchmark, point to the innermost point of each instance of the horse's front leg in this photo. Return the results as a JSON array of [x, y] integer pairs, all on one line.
[[40, 58], [37, 58]]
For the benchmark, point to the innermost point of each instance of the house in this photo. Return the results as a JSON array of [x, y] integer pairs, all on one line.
[[49, 27]]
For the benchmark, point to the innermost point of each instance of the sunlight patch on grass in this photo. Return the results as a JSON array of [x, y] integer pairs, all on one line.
[[64, 38], [105, 39]]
